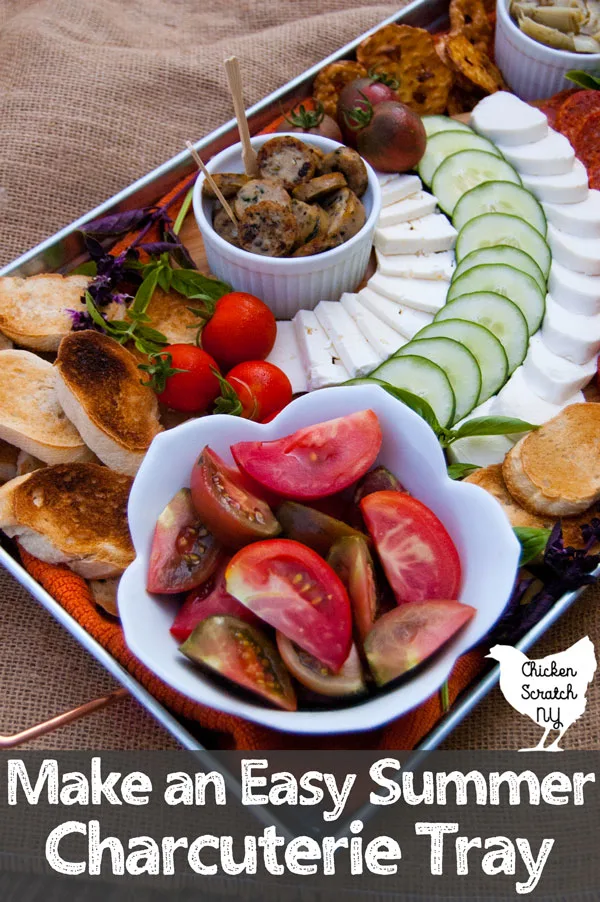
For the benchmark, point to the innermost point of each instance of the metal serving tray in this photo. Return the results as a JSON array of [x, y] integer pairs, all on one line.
[[64, 250]]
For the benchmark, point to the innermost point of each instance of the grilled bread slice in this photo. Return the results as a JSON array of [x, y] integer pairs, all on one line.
[[74, 514], [104, 593], [30, 414], [99, 387], [555, 471], [5, 342], [169, 313], [34, 312], [9, 456]]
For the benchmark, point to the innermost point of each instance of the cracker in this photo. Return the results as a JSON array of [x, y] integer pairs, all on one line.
[[469, 18], [475, 68], [331, 80]]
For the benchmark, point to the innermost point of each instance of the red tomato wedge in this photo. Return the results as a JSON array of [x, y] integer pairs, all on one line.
[[291, 588], [210, 598], [418, 556], [408, 635], [315, 461]]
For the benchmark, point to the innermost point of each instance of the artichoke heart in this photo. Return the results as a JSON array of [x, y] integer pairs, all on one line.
[[552, 37], [586, 44], [563, 18]]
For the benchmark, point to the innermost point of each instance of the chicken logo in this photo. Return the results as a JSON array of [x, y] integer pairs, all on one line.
[[552, 690]]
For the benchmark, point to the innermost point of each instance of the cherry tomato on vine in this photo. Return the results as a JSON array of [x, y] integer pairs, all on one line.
[[240, 328], [183, 378], [259, 389]]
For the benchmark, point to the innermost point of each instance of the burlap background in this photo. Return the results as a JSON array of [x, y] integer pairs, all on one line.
[[93, 95]]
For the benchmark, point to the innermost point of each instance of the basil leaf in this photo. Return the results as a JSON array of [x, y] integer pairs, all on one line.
[[94, 312], [183, 211], [491, 426], [459, 471], [165, 274], [533, 542], [144, 293], [419, 405], [86, 269], [584, 79], [191, 283], [116, 223]]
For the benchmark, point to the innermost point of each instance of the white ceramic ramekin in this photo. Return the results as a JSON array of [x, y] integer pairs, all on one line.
[[532, 70], [287, 284]]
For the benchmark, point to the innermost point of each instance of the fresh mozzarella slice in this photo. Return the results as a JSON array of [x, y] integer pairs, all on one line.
[[405, 321], [481, 450], [418, 266], [518, 400], [569, 188], [570, 335], [286, 355], [554, 378], [574, 290], [428, 235], [420, 294], [505, 119], [580, 254], [582, 219], [414, 207], [321, 362], [399, 187], [354, 351], [553, 155], [384, 340]]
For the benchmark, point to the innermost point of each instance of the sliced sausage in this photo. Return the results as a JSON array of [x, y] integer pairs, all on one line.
[[351, 165], [224, 227], [308, 219], [317, 246], [268, 229], [257, 190], [346, 214], [319, 187], [287, 158], [229, 183]]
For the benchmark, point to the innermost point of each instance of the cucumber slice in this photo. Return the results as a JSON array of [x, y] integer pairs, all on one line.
[[459, 365], [510, 256], [492, 229], [513, 284], [446, 143], [465, 170], [435, 124], [496, 313], [422, 378], [499, 197], [485, 348]]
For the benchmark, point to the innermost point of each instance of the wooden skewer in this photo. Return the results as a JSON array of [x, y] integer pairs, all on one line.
[[234, 77], [211, 182]]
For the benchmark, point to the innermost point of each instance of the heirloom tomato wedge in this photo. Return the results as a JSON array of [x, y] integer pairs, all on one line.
[[418, 556], [318, 678], [291, 588], [315, 461]]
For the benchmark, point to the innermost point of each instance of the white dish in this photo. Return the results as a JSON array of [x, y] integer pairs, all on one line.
[[287, 284], [488, 550], [533, 70]]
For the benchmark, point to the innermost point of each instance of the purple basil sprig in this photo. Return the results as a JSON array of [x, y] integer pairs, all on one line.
[[117, 223]]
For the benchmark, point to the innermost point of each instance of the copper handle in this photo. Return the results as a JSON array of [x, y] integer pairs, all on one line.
[[48, 726]]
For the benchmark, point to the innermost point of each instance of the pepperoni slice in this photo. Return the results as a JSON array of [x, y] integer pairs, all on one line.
[[574, 110], [594, 177], [586, 141], [551, 106]]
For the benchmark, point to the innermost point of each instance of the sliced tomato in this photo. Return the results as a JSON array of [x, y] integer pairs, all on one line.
[[316, 676], [291, 588], [312, 527], [419, 558], [315, 461], [408, 635], [210, 598], [244, 655], [227, 506], [351, 559], [183, 553]]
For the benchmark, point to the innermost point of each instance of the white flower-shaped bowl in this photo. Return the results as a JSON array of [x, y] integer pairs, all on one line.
[[488, 550]]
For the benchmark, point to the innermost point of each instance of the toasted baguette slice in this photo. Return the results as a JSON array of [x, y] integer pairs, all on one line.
[[5, 342], [169, 313], [74, 514], [9, 456], [34, 312], [99, 387], [30, 414], [27, 463], [555, 471], [104, 593]]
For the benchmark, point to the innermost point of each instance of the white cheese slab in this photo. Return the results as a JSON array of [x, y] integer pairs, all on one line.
[[554, 378], [481, 450], [354, 351], [553, 155], [582, 219], [569, 188], [405, 321], [384, 177], [574, 290], [419, 294], [505, 119], [286, 355], [399, 187], [428, 235], [321, 362], [413, 207], [517, 399], [437, 267], [570, 335], [384, 340], [579, 254]]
